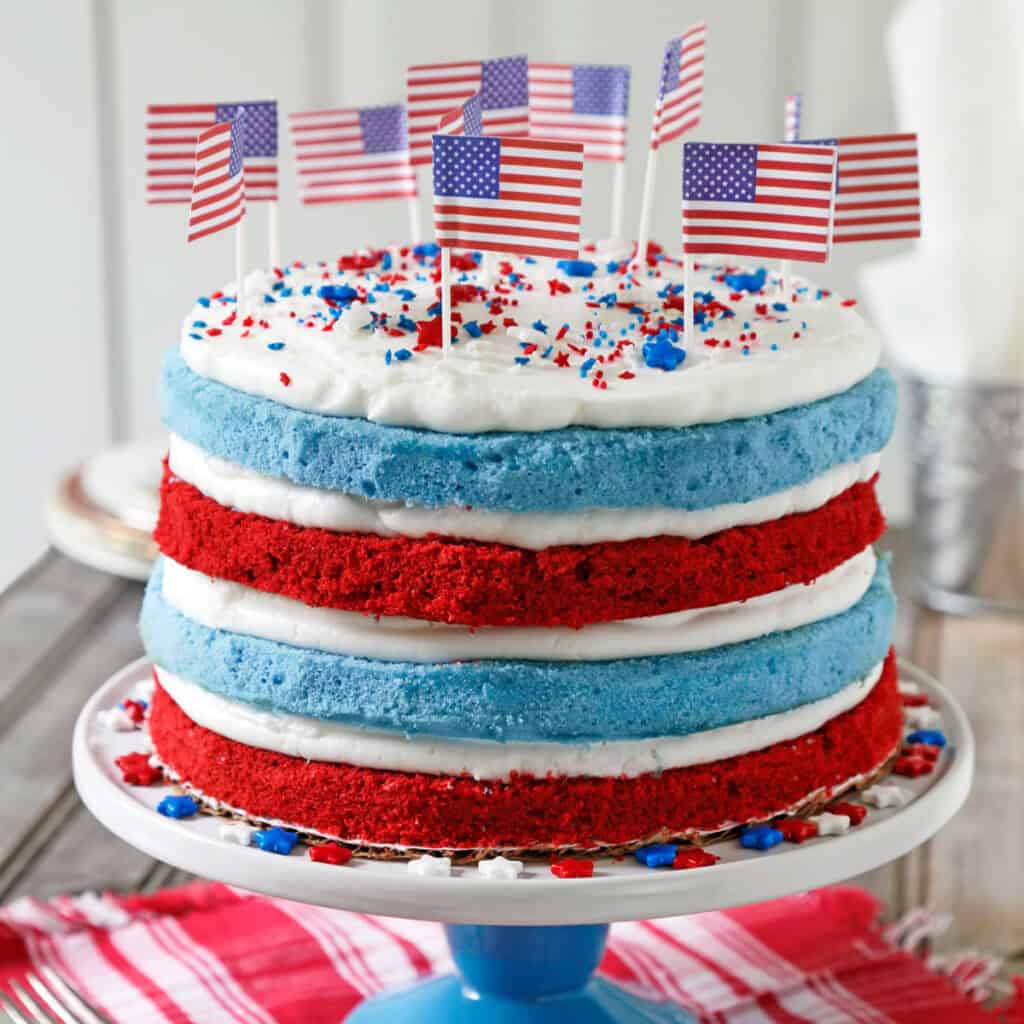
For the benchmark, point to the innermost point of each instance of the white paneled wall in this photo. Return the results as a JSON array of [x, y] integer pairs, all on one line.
[[104, 279]]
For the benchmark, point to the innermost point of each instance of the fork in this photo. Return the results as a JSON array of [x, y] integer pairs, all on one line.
[[54, 1001]]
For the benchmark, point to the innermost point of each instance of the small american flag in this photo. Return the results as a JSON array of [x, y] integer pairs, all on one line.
[[879, 187], [352, 154], [171, 132], [585, 103], [508, 195], [752, 200], [465, 119], [681, 87], [434, 89], [218, 189], [791, 123]]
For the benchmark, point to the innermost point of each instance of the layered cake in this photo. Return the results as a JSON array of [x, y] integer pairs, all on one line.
[[585, 581]]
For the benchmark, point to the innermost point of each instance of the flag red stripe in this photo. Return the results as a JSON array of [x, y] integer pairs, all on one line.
[[881, 154], [773, 182], [220, 197], [538, 180], [489, 245], [751, 232], [190, 155], [878, 236], [459, 227], [853, 140], [513, 160], [754, 215], [878, 204], [532, 197], [371, 179], [892, 218], [879, 186], [181, 108], [492, 211], [765, 252], [863, 172], [791, 165], [195, 236]]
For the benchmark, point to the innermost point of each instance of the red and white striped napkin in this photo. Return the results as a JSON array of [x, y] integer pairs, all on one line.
[[209, 953]]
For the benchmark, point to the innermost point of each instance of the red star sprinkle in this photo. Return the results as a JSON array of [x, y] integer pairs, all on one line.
[[796, 830], [572, 867], [925, 750], [914, 700], [137, 771], [855, 812], [330, 853], [694, 858], [911, 767]]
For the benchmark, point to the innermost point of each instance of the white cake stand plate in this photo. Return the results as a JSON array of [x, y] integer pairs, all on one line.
[[525, 948]]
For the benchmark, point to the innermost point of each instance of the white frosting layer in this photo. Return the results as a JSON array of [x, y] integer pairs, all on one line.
[[317, 740], [243, 489], [810, 351], [221, 604]]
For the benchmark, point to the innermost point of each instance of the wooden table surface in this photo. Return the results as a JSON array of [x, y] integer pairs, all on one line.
[[64, 629]]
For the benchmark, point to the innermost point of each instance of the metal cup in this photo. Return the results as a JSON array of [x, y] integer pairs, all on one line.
[[968, 536]]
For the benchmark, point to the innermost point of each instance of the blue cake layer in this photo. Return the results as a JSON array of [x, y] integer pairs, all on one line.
[[631, 698], [549, 471]]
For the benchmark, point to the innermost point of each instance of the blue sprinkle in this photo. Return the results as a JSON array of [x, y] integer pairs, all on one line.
[[612, 266], [276, 346], [933, 737], [198, 337], [270, 298], [657, 855], [586, 366], [382, 286], [434, 310], [275, 840], [387, 357], [775, 348], [198, 323], [177, 807], [780, 307], [385, 262], [286, 293], [406, 294], [204, 302], [580, 268], [406, 324], [426, 250], [402, 354], [529, 259], [522, 360], [740, 282], [277, 286], [338, 293], [547, 352], [760, 837], [539, 325], [661, 354], [472, 328], [703, 297], [307, 289], [608, 299]]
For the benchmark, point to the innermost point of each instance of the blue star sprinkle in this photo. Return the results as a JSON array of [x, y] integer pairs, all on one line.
[[657, 855], [275, 840], [177, 807], [760, 837]]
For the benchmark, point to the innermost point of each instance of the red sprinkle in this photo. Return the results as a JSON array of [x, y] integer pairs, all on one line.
[[694, 858], [925, 750], [488, 327], [848, 302], [214, 331], [914, 700], [137, 771], [912, 767], [627, 375], [510, 321], [330, 853], [136, 710], [561, 359], [285, 379], [855, 812], [796, 830], [572, 867]]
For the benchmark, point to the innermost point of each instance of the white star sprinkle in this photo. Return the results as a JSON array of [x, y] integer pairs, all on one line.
[[115, 719], [500, 868], [886, 796], [236, 833], [922, 717], [429, 866], [831, 824]]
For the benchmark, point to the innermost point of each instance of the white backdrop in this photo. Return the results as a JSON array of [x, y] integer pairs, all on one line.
[[97, 282]]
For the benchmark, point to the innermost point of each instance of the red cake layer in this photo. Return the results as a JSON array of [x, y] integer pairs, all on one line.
[[415, 809], [477, 584]]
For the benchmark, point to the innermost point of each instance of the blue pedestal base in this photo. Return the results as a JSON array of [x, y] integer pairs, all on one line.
[[520, 975]]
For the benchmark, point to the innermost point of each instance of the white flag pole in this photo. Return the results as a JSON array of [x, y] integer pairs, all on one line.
[[240, 266], [690, 326], [618, 198], [785, 275], [415, 232], [446, 300], [273, 235], [646, 205]]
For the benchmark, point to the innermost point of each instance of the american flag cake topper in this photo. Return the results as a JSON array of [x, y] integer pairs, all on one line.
[[680, 86], [878, 188], [435, 89], [508, 195], [771, 201], [585, 103], [352, 154], [171, 133], [218, 187], [465, 119]]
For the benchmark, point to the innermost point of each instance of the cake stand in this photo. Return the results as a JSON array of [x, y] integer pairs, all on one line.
[[526, 948]]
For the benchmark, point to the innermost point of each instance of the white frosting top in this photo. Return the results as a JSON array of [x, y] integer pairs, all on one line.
[[221, 604], [245, 490], [573, 356], [318, 740]]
